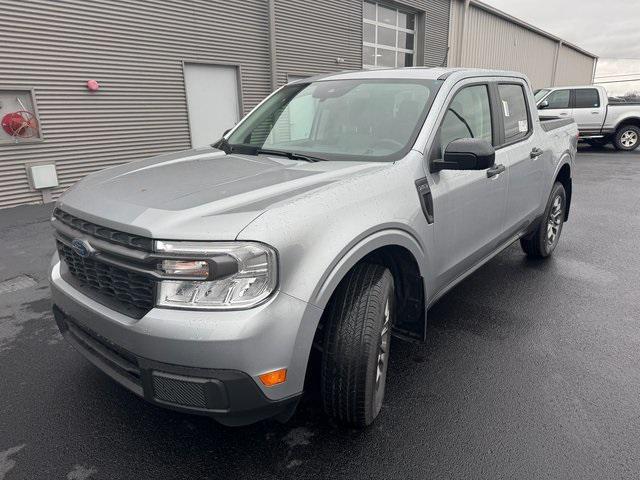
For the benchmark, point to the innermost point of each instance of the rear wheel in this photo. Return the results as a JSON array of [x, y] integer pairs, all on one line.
[[627, 138], [544, 240], [356, 345]]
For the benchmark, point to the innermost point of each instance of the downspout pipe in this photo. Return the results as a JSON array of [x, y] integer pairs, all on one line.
[[273, 51]]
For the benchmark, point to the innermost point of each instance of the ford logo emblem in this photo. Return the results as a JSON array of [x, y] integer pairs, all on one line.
[[82, 247]]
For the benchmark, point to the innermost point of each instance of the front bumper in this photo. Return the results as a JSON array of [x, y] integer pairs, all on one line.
[[195, 361]]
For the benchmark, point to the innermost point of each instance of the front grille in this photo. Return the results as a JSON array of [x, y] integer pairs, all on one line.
[[121, 285], [113, 236]]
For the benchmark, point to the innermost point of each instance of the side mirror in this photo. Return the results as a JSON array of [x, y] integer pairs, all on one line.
[[466, 154], [543, 104]]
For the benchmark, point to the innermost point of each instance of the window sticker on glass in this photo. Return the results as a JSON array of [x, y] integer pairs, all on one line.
[[523, 126], [505, 107]]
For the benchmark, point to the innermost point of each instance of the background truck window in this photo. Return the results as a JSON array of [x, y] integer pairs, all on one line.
[[587, 98], [559, 99]]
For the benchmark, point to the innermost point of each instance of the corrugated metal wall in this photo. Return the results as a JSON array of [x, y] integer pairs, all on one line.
[[135, 50], [491, 41], [574, 68], [310, 36]]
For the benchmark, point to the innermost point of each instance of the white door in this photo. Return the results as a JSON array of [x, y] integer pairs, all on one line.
[[588, 111], [556, 104], [213, 101]]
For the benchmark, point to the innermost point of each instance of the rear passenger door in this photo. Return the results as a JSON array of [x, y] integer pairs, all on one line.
[[468, 205], [588, 111], [557, 104], [524, 153]]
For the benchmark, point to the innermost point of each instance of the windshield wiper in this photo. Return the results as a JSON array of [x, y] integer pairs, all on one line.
[[224, 145], [290, 155]]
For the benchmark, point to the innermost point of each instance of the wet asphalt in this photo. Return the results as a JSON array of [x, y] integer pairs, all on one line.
[[531, 370]]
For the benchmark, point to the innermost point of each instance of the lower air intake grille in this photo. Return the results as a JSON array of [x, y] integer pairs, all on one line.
[[180, 392]]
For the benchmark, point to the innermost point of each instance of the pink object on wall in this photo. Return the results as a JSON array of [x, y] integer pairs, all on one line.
[[93, 85]]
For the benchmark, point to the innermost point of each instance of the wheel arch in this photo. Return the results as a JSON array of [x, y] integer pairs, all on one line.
[[564, 177], [627, 121], [402, 254]]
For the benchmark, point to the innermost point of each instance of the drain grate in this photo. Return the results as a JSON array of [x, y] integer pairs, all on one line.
[[17, 283]]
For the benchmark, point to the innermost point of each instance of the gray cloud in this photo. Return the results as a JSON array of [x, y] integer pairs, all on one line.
[[608, 29]]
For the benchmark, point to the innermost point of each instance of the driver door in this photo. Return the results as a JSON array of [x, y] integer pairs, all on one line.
[[469, 205]]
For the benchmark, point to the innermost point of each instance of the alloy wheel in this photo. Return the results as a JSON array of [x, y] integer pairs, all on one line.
[[629, 139], [383, 356], [554, 224]]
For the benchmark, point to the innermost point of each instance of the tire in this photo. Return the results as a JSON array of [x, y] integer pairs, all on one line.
[[627, 138], [540, 244], [356, 346]]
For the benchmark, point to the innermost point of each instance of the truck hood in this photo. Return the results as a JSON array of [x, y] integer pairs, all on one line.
[[200, 194]]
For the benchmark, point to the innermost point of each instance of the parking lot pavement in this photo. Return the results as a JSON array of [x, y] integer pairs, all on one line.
[[531, 370]]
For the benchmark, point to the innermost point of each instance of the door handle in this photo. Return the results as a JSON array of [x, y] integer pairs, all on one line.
[[564, 114], [495, 171], [595, 113], [536, 152]]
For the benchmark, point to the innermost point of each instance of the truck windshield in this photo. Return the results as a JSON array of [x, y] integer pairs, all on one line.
[[539, 94], [371, 120]]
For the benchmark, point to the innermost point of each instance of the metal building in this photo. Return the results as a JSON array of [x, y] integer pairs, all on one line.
[[484, 37], [88, 85]]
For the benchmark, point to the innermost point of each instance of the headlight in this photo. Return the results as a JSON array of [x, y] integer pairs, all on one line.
[[240, 274]]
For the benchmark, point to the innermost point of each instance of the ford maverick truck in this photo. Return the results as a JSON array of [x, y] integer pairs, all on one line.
[[330, 219]]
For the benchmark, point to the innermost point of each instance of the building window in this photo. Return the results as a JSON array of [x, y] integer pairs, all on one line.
[[389, 37]]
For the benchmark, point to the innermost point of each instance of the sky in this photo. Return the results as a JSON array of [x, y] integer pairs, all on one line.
[[609, 29]]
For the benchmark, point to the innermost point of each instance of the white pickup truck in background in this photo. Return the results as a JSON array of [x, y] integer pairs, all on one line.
[[599, 120]]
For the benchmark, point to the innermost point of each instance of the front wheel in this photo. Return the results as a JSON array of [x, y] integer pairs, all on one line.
[[544, 240], [356, 345], [627, 138]]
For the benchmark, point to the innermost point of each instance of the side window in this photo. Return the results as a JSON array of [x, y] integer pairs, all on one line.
[[586, 98], [514, 111], [468, 116], [559, 99]]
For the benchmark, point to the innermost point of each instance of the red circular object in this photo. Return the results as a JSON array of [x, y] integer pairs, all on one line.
[[20, 124], [93, 85]]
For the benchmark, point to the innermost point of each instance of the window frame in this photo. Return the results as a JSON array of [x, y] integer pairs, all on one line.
[[375, 45], [498, 105], [435, 146], [573, 101]]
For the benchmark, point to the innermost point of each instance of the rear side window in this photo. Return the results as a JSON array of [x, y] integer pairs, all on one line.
[[559, 99], [468, 116], [514, 112], [587, 98]]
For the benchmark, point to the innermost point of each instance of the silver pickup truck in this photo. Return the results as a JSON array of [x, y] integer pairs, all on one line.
[[600, 122], [333, 215]]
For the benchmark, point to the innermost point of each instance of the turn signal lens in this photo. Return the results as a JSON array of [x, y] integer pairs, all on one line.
[[188, 268], [274, 378]]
